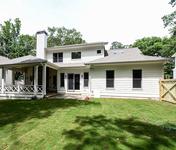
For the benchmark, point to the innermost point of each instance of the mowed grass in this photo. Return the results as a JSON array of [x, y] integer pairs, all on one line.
[[99, 124]]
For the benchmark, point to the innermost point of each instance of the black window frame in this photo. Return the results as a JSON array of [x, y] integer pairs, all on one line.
[[86, 79], [58, 57], [137, 78], [62, 79], [110, 78], [75, 55], [99, 51]]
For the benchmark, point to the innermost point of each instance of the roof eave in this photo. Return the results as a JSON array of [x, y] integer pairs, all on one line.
[[126, 62], [75, 46], [23, 63]]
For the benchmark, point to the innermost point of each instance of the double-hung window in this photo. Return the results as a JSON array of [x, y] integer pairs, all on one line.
[[137, 78], [110, 79], [57, 57]]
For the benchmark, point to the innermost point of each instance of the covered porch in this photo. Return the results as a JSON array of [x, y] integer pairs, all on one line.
[[32, 77]]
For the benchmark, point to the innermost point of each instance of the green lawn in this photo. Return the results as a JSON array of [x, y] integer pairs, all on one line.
[[100, 124]]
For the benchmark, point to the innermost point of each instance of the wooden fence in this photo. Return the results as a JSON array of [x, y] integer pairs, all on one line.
[[168, 90]]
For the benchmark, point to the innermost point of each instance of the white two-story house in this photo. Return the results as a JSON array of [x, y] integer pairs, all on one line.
[[86, 69]]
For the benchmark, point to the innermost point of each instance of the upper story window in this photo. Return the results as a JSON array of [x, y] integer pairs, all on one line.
[[99, 51], [76, 55], [137, 78], [110, 79], [57, 57]]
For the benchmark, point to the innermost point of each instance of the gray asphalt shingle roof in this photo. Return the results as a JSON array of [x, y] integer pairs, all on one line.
[[3, 59], [22, 60], [126, 55]]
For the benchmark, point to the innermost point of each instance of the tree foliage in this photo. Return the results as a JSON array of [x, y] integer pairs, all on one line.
[[156, 46], [12, 44], [172, 2], [170, 19], [116, 45], [63, 36]]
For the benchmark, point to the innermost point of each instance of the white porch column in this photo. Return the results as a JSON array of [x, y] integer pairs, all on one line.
[[58, 77], [3, 80], [3, 83], [44, 79], [35, 79], [90, 82], [66, 81], [81, 81]]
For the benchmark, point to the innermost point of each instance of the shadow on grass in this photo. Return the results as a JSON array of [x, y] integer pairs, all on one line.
[[102, 133], [14, 111]]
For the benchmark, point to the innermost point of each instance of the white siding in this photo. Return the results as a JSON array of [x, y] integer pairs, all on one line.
[[86, 55], [151, 74]]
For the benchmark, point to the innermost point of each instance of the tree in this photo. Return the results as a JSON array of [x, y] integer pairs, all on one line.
[[173, 3], [116, 45], [12, 44], [25, 46], [170, 19], [8, 36], [149, 45], [156, 46], [63, 36]]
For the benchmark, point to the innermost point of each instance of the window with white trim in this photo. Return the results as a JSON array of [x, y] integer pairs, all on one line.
[[137, 78], [76, 55], [109, 78], [57, 57], [86, 79], [62, 84], [99, 51]]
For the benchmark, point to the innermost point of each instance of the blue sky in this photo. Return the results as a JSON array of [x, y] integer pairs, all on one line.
[[97, 20]]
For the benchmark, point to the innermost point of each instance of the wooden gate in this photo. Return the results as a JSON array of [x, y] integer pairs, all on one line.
[[168, 90]]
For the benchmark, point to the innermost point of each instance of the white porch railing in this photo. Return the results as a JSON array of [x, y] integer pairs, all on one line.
[[22, 89], [10, 89]]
